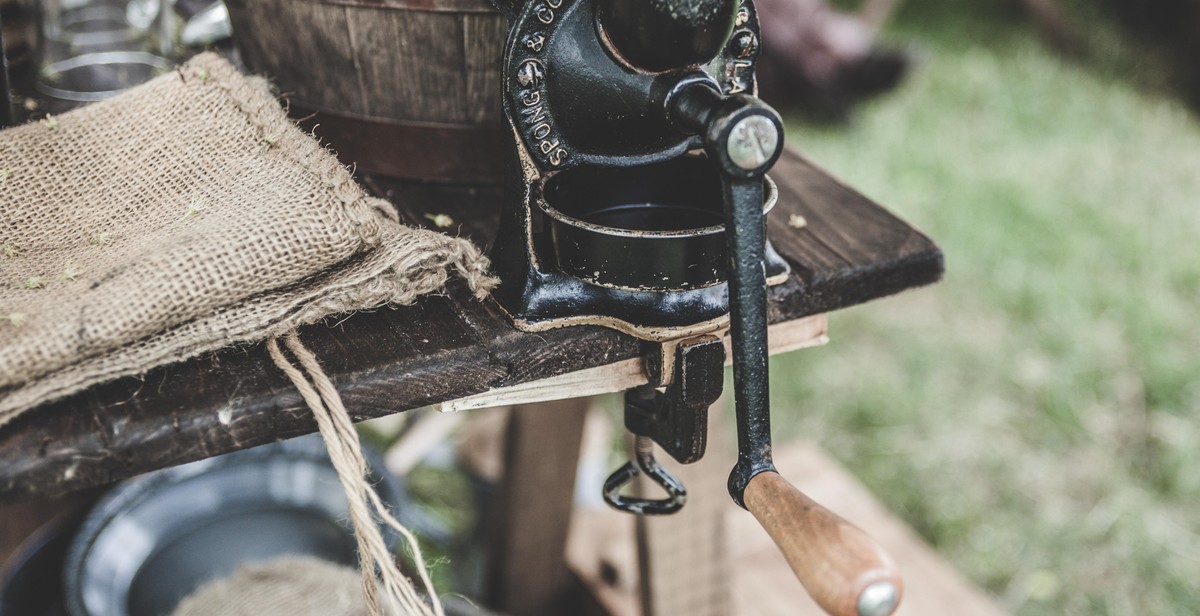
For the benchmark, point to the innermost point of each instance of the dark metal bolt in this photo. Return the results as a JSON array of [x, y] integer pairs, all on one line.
[[743, 44]]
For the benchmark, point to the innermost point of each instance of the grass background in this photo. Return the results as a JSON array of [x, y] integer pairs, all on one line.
[[1033, 416]]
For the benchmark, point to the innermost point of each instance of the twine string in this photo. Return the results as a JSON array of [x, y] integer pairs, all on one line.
[[345, 451]]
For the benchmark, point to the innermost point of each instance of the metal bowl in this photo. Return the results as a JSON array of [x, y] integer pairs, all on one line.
[[155, 539], [658, 227]]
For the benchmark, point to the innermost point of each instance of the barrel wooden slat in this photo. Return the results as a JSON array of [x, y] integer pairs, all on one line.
[[402, 87], [420, 77], [450, 6], [301, 46], [483, 40], [389, 63]]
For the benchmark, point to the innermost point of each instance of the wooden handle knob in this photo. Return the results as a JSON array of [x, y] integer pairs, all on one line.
[[844, 570]]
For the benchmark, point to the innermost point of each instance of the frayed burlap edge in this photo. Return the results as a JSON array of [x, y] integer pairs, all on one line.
[[392, 273], [357, 220], [287, 140], [393, 265], [397, 264]]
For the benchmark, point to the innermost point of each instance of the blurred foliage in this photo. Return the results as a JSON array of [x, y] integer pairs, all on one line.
[[1033, 416], [448, 501]]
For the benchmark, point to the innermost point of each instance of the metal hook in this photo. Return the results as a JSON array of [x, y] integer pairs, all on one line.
[[644, 457]]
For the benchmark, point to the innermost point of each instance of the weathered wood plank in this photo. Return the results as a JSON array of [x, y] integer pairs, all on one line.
[[392, 60], [442, 348], [851, 249], [483, 46], [629, 373], [527, 573], [321, 70], [426, 53], [372, 74]]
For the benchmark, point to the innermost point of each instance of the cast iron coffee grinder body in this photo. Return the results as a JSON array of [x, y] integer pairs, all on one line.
[[636, 198]]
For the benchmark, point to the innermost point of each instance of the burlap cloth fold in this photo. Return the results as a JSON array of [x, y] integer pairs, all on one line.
[[183, 216]]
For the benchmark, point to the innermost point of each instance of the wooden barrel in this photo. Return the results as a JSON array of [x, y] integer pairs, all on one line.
[[407, 88]]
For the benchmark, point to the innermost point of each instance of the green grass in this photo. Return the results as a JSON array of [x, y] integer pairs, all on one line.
[[1034, 415]]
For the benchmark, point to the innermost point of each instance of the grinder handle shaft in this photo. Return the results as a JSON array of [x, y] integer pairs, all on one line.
[[843, 569]]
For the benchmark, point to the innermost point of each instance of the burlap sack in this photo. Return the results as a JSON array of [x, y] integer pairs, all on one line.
[[183, 216], [288, 586]]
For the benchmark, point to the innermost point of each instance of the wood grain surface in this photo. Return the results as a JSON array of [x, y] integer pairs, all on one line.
[[433, 61], [764, 584], [834, 560], [601, 546], [527, 540], [442, 348]]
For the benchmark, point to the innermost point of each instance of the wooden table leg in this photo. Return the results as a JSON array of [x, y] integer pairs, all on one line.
[[527, 572], [682, 558]]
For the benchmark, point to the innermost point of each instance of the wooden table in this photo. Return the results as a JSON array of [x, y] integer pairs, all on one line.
[[458, 352], [443, 348]]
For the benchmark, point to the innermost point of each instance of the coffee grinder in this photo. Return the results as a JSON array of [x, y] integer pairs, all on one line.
[[636, 198]]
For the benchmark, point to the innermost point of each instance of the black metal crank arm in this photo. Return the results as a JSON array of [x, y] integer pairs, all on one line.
[[746, 235], [744, 138], [845, 571]]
